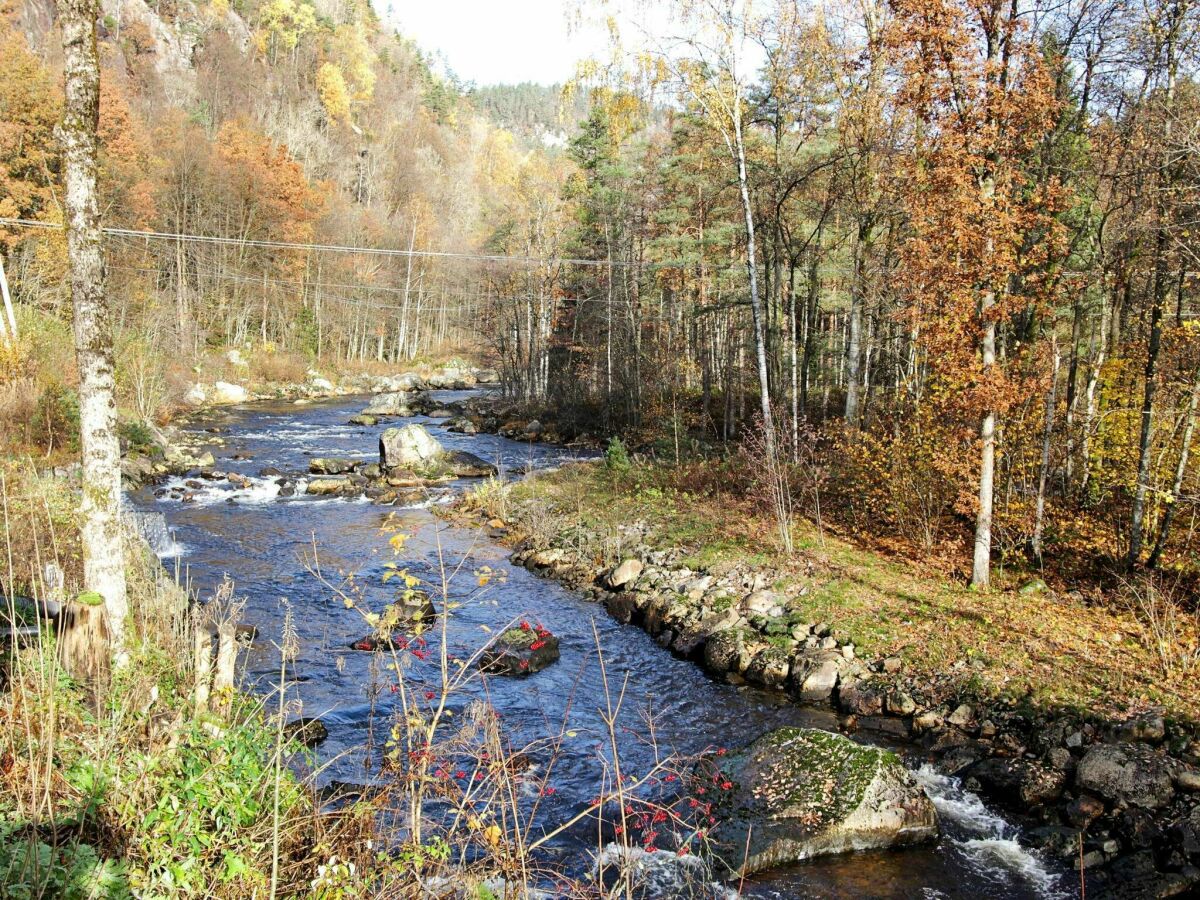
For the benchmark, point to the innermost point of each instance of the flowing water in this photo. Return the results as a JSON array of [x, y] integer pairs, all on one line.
[[265, 543]]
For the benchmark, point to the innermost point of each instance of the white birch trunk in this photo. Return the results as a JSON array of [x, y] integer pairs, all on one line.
[[103, 551]]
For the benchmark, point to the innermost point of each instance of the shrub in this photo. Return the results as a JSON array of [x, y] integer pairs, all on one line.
[[616, 457], [20, 399], [55, 424], [278, 367], [136, 435]]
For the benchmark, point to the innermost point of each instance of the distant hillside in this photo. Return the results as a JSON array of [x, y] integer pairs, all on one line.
[[533, 112]]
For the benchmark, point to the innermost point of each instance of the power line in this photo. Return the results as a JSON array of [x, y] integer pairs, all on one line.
[[331, 248]]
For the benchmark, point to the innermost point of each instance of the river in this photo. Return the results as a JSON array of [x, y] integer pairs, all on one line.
[[263, 542]]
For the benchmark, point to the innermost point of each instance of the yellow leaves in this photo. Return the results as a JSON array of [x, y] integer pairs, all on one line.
[[284, 23], [334, 95], [352, 49], [492, 835]]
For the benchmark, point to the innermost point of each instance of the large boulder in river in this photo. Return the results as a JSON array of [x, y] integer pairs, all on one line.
[[797, 793], [410, 447], [395, 403], [487, 376]]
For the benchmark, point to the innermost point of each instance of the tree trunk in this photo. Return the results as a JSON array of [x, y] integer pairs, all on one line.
[[1156, 311], [981, 568], [1044, 469], [982, 563], [100, 531], [1189, 429], [854, 339], [760, 341]]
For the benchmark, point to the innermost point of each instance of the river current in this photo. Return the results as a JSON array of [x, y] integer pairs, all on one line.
[[265, 543]]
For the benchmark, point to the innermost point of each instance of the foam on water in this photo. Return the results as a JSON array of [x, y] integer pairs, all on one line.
[[960, 806], [259, 491], [1008, 855], [989, 844]]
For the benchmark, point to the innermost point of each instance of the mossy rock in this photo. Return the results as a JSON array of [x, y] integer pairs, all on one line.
[[520, 651], [797, 793]]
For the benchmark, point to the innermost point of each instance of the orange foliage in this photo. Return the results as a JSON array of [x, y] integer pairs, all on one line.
[[29, 109]]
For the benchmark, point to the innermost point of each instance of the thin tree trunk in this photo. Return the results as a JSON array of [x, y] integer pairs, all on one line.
[[1044, 469], [760, 341], [982, 563], [854, 339], [1156, 312], [100, 529], [8, 325], [1189, 429]]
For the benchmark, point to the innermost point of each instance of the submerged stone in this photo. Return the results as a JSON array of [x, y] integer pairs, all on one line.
[[310, 732], [412, 613], [797, 793]]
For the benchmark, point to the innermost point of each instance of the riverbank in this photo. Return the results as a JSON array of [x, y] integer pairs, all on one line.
[[1057, 708], [127, 785]]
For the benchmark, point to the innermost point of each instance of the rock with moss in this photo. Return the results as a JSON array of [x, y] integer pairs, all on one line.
[[770, 667], [521, 651], [798, 793], [727, 651]]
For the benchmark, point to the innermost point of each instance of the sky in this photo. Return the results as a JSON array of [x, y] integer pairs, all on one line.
[[500, 41]]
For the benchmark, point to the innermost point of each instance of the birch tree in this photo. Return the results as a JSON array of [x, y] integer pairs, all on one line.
[[100, 531]]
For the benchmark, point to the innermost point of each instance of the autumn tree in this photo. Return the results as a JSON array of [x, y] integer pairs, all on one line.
[[982, 234]]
